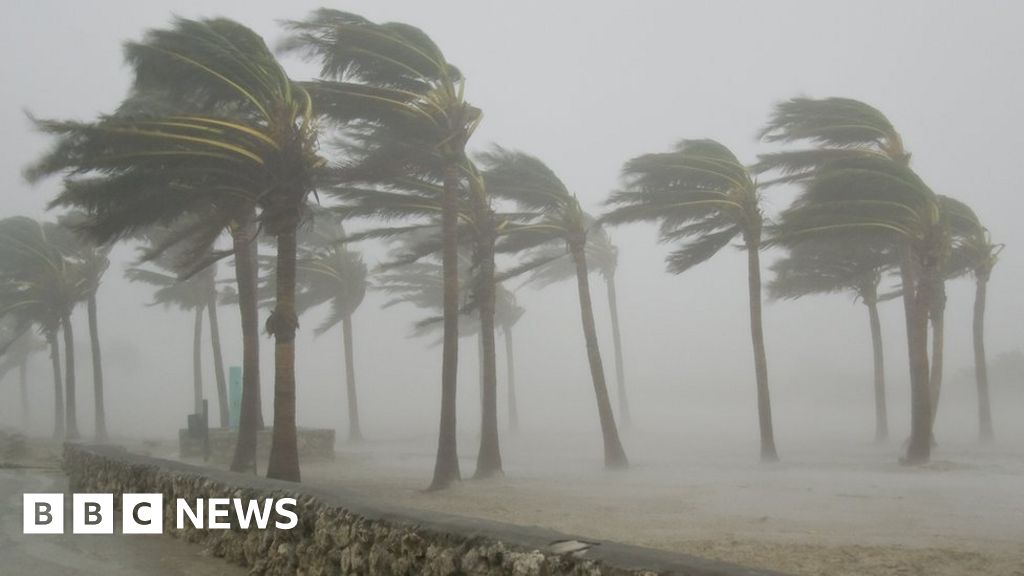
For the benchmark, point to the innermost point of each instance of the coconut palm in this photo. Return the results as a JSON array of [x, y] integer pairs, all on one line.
[[246, 139], [557, 218], [974, 253], [603, 257], [40, 284], [703, 198], [392, 78], [858, 184], [507, 313], [835, 267], [191, 294], [17, 345], [94, 261], [330, 273]]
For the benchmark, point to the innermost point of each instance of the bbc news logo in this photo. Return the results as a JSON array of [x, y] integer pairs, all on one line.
[[144, 513]]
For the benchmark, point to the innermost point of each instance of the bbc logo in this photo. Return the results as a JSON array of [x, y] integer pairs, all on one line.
[[93, 514]]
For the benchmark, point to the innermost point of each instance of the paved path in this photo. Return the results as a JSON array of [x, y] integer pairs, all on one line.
[[86, 554]]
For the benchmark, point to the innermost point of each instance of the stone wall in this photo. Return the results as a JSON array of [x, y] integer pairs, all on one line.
[[342, 533], [314, 444]]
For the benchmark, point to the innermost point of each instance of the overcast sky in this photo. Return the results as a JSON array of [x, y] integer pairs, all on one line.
[[585, 86]]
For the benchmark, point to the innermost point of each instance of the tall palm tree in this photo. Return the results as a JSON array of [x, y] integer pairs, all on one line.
[[330, 273], [191, 294], [392, 77], [246, 138], [507, 313], [603, 257], [974, 253], [557, 218], [40, 284], [94, 261], [834, 267], [858, 184], [17, 345], [703, 197]]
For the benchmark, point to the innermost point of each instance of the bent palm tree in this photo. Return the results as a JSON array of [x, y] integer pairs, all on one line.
[[393, 78], [245, 138], [328, 273], [703, 197], [557, 218], [17, 345], [833, 267], [191, 294], [40, 284], [603, 255], [94, 261], [974, 253], [858, 184]]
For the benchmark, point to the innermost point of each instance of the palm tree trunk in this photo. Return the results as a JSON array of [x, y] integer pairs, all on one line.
[[284, 447], [23, 389], [881, 411], [218, 359], [620, 372], [614, 454], [510, 365], [97, 369], [197, 362], [250, 419], [355, 433], [937, 314], [986, 432], [446, 467], [488, 462], [58, 384], [919, 448], [70, 397], [764, 407]]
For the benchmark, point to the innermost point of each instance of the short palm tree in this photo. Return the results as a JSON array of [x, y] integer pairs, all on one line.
[[858, 185], [704, 198], [40, 284], [392, 78], [836, 267], [557, 218], [245, 138]]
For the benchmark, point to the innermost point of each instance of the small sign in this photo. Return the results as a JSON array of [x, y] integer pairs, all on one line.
[[234, 395]]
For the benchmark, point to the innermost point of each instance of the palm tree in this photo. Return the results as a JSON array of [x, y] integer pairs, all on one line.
[[17, 345], [507, 313], [191, 294], [94, 262], [39, 284], [974, 253], [392, 78], [329, 273], [704, 198], [603, 256], [557, 218], [834, 267], [858, 184], [246, 138]]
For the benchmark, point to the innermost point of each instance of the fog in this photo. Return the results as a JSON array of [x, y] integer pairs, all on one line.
[[585, 86]]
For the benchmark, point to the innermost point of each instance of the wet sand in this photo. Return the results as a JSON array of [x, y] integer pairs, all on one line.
[[848, 511]]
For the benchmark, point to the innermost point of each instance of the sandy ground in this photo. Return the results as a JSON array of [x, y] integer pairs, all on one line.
[[850, 511]]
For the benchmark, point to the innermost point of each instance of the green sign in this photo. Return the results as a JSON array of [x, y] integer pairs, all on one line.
[[234, 395]]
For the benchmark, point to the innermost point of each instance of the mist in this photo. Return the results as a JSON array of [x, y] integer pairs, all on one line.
[[585, 87]]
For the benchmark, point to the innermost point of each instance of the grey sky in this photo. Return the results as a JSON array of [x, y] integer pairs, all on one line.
[[585, 86]]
